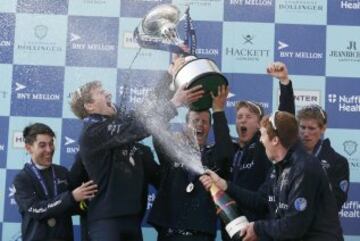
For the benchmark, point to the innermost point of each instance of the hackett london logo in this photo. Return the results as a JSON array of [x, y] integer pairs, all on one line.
[[349, 53], [297, 54], [350, 147], [248, 52]]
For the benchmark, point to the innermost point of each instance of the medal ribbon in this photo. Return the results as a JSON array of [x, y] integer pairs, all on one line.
[[33, 168]]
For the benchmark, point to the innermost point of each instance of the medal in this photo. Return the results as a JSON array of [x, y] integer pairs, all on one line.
[[190, 187], [51, 222]]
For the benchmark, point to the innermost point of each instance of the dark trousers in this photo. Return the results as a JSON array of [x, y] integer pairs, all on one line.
[[165, 236], [126, 228]]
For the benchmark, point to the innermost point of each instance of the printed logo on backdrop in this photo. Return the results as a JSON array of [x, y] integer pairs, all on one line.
[[18, 141], [257, 88], [92, 41], [344, 12], [304, 98], [37, 91], [301, 47], [134, 86], [207, 45], [301, 12], [108, 8], [11, 213], [139, 8], [42, 6], [245, 50], [343, 102], [4, 131], [150, 202], [348, 53], [71, 129], [249, 10], [350, 148], [350, 212], [7, 32]]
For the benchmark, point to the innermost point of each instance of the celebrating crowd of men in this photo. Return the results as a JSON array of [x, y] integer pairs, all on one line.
[[286, 179]]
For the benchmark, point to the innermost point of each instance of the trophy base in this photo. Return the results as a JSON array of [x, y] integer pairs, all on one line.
[[210, 83]]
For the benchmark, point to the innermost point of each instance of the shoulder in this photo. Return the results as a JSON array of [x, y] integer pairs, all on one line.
[[22, 176]]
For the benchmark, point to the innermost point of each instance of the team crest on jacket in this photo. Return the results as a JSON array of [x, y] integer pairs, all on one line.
[[344, 185], [300, 204]]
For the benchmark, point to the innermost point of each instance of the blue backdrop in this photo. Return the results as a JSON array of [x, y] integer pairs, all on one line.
[[48, 48]]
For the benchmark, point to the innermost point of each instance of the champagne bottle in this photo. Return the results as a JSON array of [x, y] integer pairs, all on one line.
[[226, 208]]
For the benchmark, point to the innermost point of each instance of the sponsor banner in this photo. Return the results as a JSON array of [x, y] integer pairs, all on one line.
[[135, 85], [8, 6], [347, 143], [17, 156], [207, 45], [343, 102], [301, 47], [92, 41], [131, 56], [4, 123], [350, 212], [2, 194], [257, 88], [139, 8], [77, 76], [40, 39], [249, 10], [301, 12], [343, 51], [11, 213], [108, 8], [308, 90], [7, 25], [343, 12], [71, 129], [42, 6], [11, 232], [247, 47], [37, 91], [212, 10], [5, 89]]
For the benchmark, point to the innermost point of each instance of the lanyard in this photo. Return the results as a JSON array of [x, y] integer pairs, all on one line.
[[41, 179], [236, 163]]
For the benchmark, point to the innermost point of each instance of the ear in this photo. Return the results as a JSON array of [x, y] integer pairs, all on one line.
[[28, 148], [275, 140], [89, 107], [323, 129]]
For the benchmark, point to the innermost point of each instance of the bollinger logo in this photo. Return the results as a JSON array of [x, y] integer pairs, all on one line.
[[40, 31], [350, 147]]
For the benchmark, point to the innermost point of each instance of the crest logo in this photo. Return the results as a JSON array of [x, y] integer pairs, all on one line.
[[332, 98], [40, 31], [350, 147]]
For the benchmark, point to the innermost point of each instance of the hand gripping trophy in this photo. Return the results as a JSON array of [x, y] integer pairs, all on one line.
[[158, 30]]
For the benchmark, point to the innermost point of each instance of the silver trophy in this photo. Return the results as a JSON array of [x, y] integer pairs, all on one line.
[[158, 30]]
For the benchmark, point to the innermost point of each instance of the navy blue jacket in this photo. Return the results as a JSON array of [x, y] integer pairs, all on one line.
[[297, 198], [337, 169], [195, 211], [36, 208], [119, 165]]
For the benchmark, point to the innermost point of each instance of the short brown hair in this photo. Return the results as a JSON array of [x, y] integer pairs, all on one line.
[[31, 131], [82, 96], [254, 107], [286, 127], [313, 112]]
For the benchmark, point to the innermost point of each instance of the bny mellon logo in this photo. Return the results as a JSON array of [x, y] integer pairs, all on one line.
[[19, 86], [74, 37], [68, 141], [282, 45]]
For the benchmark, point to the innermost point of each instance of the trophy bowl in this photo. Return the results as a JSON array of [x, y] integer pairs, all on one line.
[[200, 71]]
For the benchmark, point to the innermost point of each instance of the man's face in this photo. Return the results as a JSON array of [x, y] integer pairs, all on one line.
[[310, 133], [42, 150], [268, 144], [199, 126], [247, 124], [101, 102]]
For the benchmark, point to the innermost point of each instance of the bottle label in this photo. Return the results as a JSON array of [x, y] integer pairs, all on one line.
[[236, 225]]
